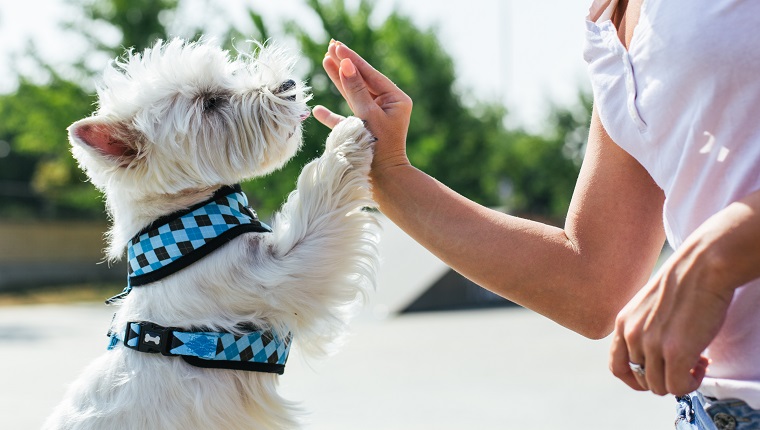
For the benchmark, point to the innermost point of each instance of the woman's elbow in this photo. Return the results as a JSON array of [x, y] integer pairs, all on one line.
[[597, 330], [599, 322]]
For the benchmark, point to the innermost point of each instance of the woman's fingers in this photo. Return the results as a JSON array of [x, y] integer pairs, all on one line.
[[655, 373], [620, 363], [683, 375], [361, 101], [331, 66], [700, 370], [377, 83], [326, 116]]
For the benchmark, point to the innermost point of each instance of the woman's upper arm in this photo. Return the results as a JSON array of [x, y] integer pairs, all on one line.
[[615, 217]]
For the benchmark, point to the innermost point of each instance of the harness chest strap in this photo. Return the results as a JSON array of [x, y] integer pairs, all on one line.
[[174, 242], [178, 240]]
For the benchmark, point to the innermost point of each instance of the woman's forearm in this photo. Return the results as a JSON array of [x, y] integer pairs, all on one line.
[[726, 247], [527, 262]]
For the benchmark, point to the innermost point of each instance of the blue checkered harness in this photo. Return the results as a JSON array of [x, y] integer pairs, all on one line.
[[173, 243]]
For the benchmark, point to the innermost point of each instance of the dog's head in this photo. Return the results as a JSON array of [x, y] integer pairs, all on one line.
[[185, 116]]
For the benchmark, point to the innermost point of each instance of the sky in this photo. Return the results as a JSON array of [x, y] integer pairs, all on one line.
[[524, 53]]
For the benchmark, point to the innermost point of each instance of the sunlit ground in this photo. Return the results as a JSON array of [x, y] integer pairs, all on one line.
[[503, 368]]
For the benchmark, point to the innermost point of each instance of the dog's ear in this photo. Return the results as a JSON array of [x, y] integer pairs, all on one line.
[[112, 140]]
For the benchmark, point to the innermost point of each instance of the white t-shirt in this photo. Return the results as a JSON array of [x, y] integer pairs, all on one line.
[[684, 100]]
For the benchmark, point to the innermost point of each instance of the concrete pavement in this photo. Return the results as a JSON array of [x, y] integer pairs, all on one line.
[[493, 369]]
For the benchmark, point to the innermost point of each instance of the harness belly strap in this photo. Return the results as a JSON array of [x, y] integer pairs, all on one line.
[[259, 350]]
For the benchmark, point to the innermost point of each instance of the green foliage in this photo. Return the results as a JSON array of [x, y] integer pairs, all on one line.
[[542, 169], [34, 121]]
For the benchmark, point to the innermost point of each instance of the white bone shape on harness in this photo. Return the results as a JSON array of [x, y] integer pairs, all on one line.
[[149, 338]]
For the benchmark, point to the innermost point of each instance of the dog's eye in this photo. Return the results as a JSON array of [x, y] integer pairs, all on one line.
[[211, 103], [286, 87]]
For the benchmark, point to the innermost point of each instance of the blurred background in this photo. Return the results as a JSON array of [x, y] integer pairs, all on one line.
[[501, 114], [501, 107]]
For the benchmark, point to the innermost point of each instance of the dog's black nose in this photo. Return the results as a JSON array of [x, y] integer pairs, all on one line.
[[287, 86]]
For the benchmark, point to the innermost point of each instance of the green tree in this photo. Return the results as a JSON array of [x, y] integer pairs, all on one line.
[[17, 200]]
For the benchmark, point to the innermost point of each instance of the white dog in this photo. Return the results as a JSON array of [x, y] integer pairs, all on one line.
[[200, 336]]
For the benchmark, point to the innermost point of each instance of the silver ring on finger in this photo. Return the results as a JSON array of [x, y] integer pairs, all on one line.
[[636, 368]]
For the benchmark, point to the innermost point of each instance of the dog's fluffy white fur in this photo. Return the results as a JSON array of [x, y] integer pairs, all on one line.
[[173, 124]]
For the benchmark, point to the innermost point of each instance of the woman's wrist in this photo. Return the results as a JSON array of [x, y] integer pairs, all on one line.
[[388, 178], [383, 161], [725, 249], [702, 263]]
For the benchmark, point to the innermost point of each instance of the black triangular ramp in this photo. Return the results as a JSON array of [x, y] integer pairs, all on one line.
[[455, 292]]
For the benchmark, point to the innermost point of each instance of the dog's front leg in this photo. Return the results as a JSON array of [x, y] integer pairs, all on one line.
[[325, 241]]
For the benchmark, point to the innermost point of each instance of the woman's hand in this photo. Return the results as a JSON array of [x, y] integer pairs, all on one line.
[[372, 97], [666, 327], [672, 320]]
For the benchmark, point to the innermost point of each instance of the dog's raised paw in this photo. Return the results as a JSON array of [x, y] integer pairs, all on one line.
[[351, 137]]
